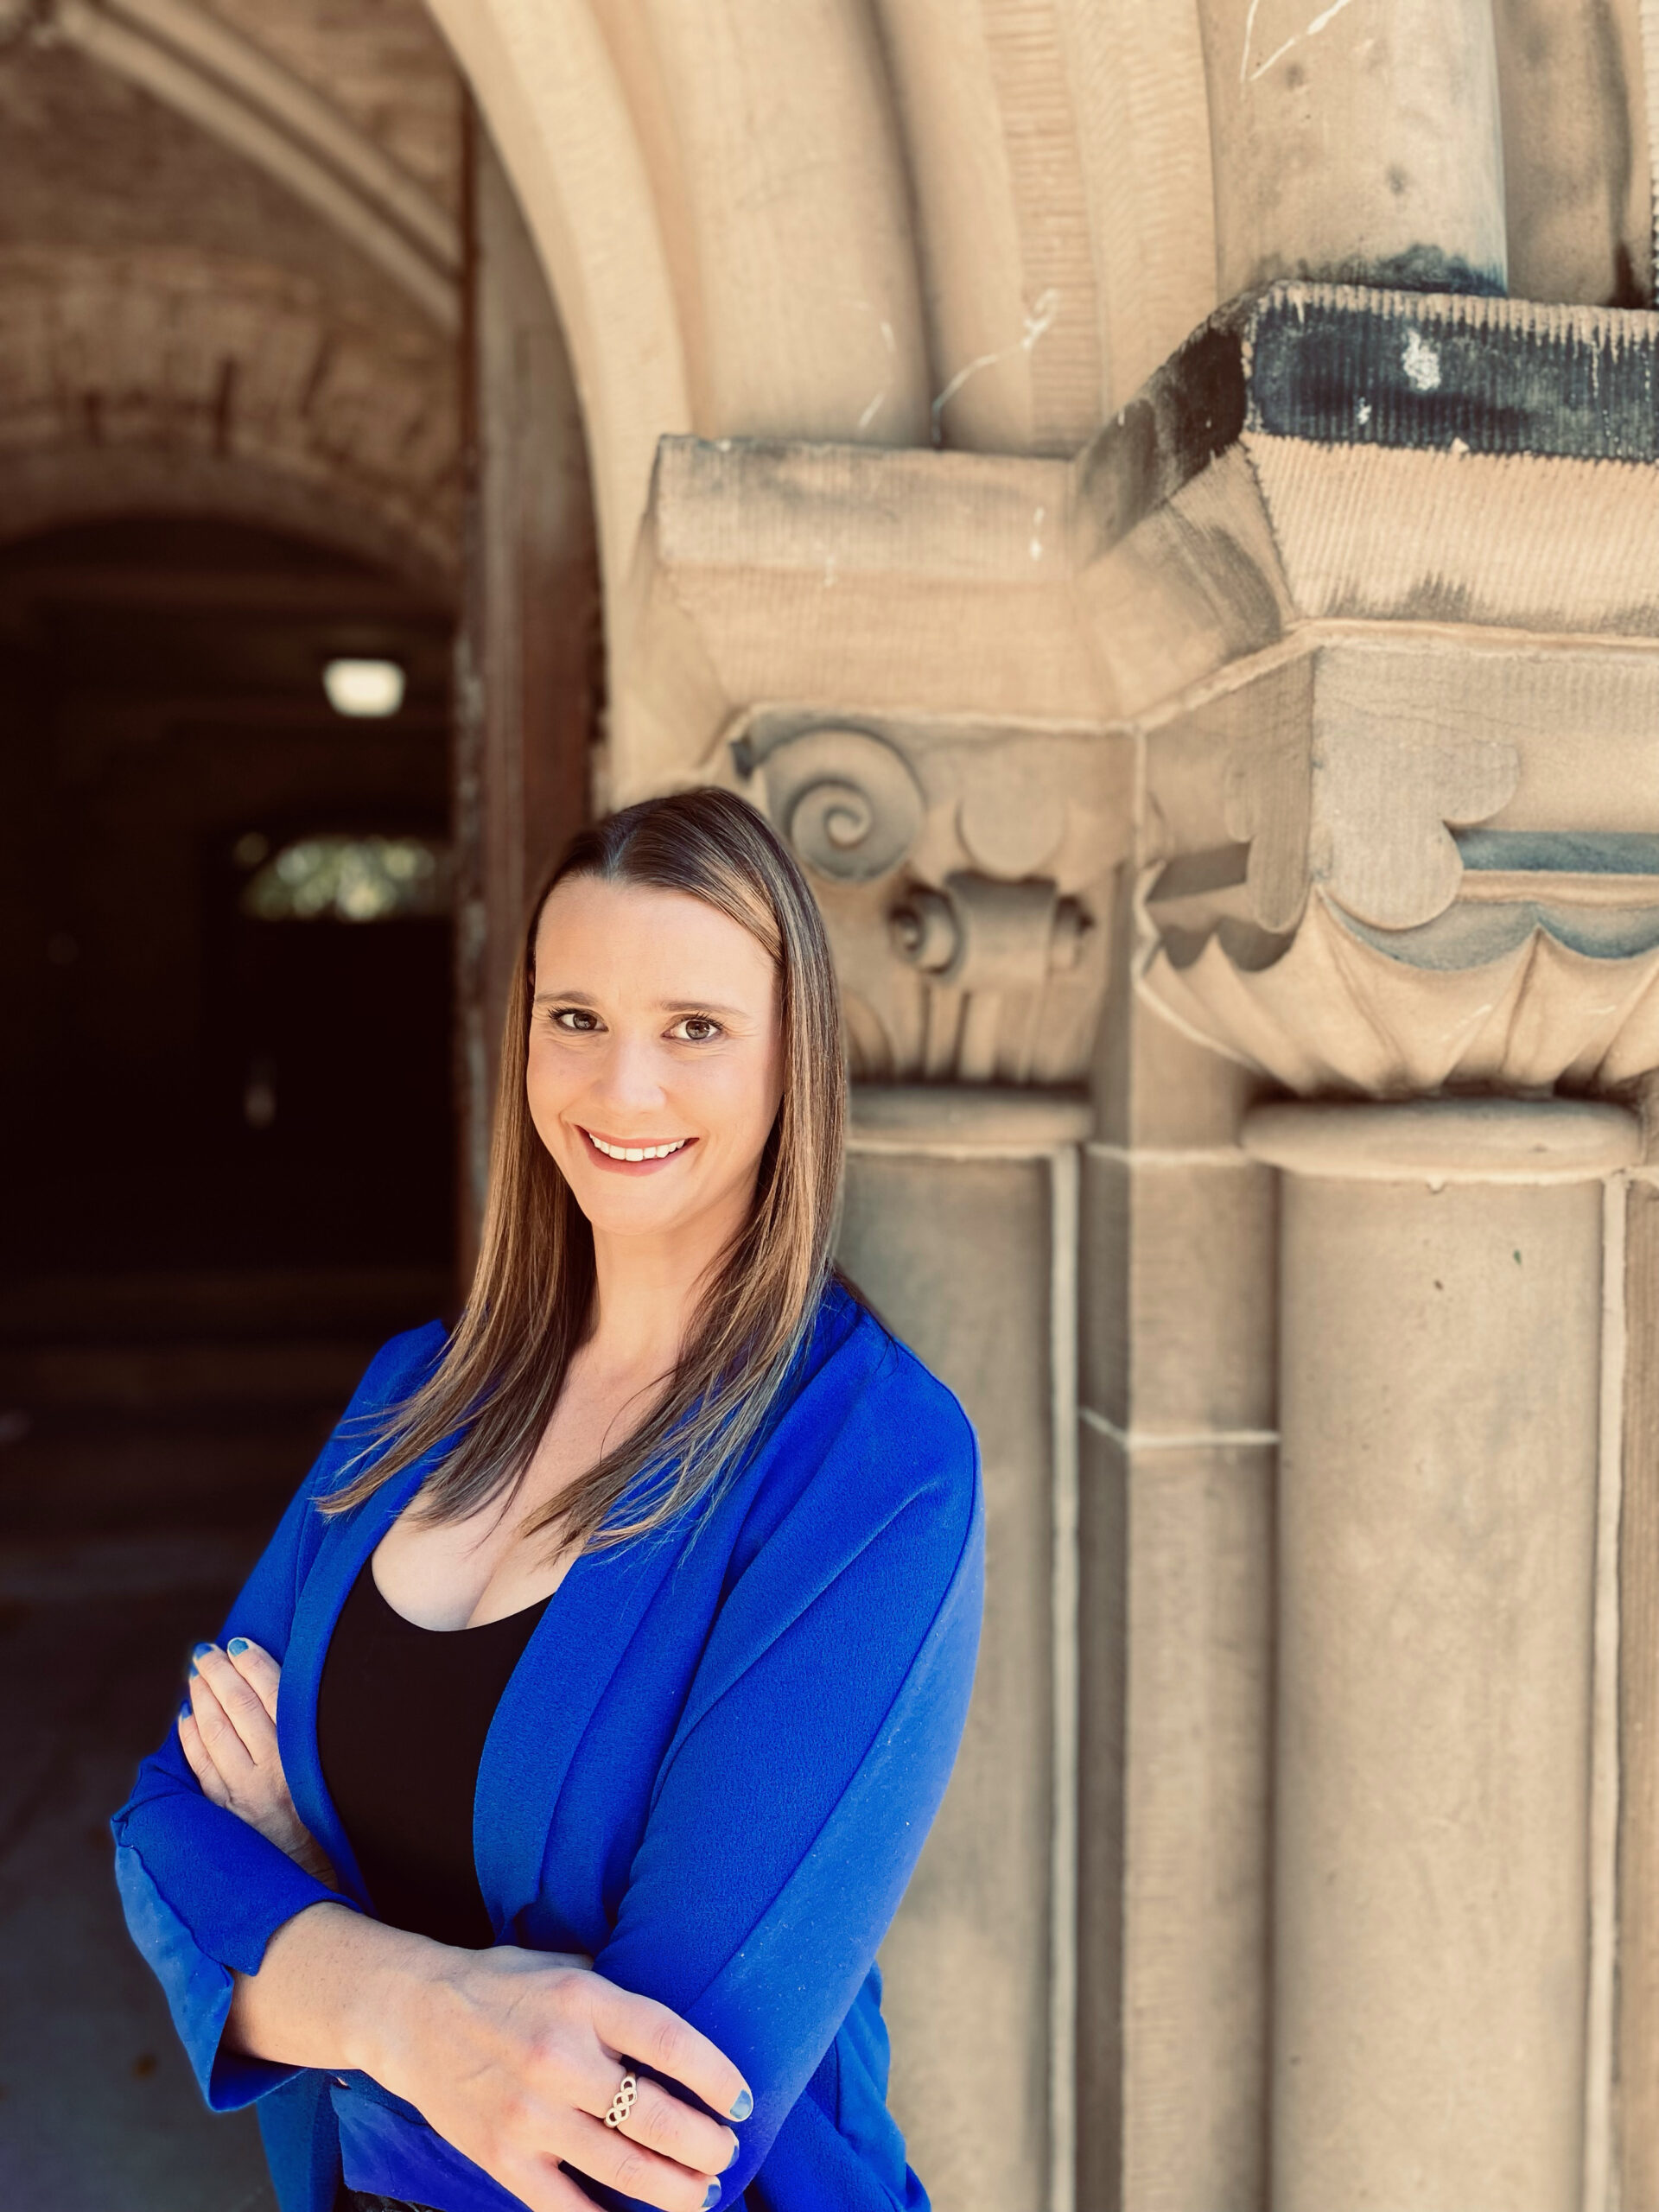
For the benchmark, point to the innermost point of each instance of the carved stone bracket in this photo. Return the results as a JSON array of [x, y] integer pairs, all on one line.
[[1415, 897], [966, 881]]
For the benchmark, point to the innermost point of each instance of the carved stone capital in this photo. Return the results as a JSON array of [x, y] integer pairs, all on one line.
[[966, 879], [1439, 866]]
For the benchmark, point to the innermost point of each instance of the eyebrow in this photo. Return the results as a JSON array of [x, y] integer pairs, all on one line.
[[664, 1005]]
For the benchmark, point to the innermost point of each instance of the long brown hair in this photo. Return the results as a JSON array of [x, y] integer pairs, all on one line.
[[530, 1303]]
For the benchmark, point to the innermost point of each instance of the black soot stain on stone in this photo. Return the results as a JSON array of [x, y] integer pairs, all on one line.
[[1192, 410], [1628, 290], [1429, 269], [1435, 599], [1254, 618], [1347, 373]]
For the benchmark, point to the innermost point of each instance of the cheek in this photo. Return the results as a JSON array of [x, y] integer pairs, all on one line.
[[747, 1107], [546, 1089]]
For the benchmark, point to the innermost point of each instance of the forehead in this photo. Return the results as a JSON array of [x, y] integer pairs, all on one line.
[[635, 940]]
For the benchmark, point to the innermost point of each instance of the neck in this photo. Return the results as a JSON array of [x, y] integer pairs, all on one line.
[[646, 1290]]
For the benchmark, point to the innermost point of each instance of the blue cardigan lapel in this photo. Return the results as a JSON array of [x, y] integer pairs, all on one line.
[[545, 1711], [557, 1684], [347, 1542]]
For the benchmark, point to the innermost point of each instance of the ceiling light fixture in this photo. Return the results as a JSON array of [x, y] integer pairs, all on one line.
[[363, 687]]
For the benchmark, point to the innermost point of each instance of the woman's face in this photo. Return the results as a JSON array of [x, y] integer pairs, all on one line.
[[656, 1029]]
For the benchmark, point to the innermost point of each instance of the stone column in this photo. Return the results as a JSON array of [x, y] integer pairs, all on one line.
[[1440, 1302], [961, 1225], [1356, 142]]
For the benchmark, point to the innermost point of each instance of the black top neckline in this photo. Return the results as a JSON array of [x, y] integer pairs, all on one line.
[[514, 1620], [402, 1712]]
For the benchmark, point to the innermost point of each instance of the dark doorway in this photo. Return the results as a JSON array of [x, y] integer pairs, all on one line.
[[197, 1079], [326, 1046], [225, 959], [225, 966]]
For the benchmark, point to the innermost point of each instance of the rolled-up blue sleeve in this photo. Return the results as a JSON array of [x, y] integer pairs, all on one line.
[[819, 1736], [203, 1893]]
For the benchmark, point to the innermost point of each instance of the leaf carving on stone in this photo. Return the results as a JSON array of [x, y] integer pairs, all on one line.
[[1382, 799], [1267, 804]]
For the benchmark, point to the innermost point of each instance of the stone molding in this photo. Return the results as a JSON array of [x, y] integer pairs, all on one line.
[[965, 877], [925, 1117], [1315, 453], [1437, 1140]]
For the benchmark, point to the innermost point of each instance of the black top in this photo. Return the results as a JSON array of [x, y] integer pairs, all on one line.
[[402, 1715]]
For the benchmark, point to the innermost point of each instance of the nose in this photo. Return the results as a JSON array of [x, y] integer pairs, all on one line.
[[629, 1081]]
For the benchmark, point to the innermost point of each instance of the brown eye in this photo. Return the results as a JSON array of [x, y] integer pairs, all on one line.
[[697, 1028]]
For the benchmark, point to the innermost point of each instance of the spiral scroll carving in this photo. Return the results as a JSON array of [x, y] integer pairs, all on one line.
[[848, 802]]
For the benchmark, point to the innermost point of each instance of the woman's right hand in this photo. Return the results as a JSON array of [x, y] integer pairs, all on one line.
[[514, 2057]]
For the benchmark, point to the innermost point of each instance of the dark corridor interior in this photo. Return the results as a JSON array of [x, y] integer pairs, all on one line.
[[221, 1057], [228, 1121], [229, 1173]]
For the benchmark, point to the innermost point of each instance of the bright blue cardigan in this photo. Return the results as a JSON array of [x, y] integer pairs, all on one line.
[[713, 1770]]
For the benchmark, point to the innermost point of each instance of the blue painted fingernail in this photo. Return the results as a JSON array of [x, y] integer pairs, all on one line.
[[236, 1646], [743, 2108], [737, 2150], [713, 2197], [197, 1650]]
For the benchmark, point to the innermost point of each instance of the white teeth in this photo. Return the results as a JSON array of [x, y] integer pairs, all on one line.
[[636, 1151]]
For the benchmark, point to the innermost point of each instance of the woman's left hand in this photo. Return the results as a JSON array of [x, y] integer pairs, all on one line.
[[228, 1736]]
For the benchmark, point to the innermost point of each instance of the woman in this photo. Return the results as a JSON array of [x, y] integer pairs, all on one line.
[[624, 1638]]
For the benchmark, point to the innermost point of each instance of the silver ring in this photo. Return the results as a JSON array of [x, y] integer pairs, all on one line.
[[622, 2103]]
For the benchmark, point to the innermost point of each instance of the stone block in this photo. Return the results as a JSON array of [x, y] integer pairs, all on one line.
[[1637, 2030], [1106, 1313], [1178, 1292], [955, 1254], [1102, 1626], [1177, 1688], [1157, 1085]]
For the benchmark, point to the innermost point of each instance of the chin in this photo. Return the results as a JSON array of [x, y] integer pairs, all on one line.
[[611, 1202]]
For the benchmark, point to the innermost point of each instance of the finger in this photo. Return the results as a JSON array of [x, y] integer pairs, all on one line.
[[258, 1670], [677, 2131], [200, 1765], [544, 2189], [670, 2045], [240, 1704], [605, 2154], [224, 1747]]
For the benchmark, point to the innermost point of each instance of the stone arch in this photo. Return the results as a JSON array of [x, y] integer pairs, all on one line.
[[206, 70], [898, 225], [53, 486], [187, 382]]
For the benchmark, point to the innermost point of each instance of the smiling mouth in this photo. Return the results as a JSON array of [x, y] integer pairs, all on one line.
[[614, 1151]]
